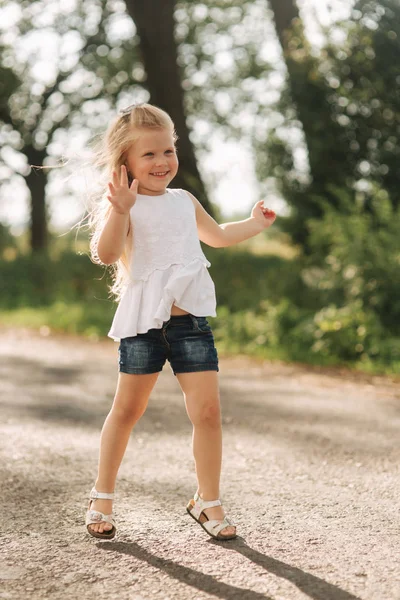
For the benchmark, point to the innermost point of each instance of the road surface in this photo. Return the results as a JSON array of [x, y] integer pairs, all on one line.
[[310, 477]]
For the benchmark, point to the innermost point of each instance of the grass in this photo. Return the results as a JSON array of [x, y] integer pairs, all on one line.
[[90, 320]]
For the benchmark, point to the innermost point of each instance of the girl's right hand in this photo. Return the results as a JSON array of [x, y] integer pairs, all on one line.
[[122, 196]]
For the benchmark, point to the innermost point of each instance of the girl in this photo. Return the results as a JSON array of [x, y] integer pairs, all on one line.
[[161, 278]]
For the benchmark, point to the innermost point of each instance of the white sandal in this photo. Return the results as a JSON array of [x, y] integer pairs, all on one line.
[[93, 517], [195, 509]]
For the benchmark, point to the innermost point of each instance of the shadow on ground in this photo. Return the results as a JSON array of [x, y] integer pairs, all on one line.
[[315, 587]]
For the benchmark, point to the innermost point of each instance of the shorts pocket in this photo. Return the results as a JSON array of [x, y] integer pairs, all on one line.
[[203, 325]]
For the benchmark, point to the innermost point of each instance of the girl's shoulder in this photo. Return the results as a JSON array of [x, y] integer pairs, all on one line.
[[178, 192]]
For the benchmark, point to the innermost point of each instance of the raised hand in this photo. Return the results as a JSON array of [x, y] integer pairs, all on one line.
[[122, 196], [264, 216]]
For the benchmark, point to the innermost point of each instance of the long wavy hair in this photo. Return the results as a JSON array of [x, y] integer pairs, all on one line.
[[110, 155]]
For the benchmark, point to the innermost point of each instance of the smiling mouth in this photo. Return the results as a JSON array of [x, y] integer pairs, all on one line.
[[160, 174]]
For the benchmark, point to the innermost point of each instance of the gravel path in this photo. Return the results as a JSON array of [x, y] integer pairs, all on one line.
[[310, 476]]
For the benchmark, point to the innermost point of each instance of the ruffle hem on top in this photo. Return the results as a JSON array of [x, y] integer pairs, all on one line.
[[147, 304]]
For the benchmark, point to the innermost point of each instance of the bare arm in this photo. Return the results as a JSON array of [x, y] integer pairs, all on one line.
[[238, 231], [228, 234], [113, 237]]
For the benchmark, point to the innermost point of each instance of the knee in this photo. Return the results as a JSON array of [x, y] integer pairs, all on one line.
[[127, 414], [208, 415]]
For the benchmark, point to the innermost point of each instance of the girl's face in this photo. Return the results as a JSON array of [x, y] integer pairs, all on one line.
[[152, 161]]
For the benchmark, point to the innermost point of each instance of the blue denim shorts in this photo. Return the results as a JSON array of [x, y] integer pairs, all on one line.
[[185, 340]]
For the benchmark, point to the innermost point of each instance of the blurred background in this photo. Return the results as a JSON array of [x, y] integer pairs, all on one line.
[[296, 102]]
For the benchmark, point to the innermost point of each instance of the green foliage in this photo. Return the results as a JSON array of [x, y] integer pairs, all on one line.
[[39, 281], [356, 257], [259, 331], [332, 336], [243, 280], [76, 98], [348, 333], [7, 240], [267, 306], [343, 104], [89, 319], [224, 69]]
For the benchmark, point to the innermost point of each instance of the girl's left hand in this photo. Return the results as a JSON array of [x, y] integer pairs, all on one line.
[[264, 216]]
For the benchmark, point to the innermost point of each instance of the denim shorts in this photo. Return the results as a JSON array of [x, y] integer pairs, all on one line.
[[185, 340]]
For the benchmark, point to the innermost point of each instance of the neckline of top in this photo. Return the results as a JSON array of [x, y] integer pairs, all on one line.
[[157, 196]]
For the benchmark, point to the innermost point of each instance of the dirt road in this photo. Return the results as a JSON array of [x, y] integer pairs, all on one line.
[[310, 477]]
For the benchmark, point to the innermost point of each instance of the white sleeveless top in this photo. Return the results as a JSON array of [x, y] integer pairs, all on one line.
[[167, 266]]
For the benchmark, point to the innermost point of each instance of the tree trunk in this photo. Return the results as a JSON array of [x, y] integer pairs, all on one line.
[[321, 156], [284, 13], [36, 182], [155, 24], [326, 155]]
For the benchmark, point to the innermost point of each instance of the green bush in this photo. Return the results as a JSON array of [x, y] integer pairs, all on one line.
[[332, 336], [38, 280], [356, 258], [243, 280], [347, 333]]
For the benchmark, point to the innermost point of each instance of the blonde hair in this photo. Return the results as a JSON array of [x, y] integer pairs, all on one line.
[[110, 155]]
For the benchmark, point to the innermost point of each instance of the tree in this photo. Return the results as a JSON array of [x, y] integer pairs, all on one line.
[[346, 102], [155, 24], [306, 98], [85, 85]]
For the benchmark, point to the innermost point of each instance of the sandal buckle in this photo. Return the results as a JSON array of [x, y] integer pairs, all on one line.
[[95, 515]]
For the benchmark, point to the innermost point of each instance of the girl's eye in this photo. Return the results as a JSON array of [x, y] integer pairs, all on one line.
[[166, 152]]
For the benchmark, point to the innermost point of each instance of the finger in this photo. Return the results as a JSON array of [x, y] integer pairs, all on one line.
[[115, 178], [111, 188], [134, 185], [124, 176]]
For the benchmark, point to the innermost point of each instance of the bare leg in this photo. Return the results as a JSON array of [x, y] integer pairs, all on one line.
[[201, 393], [129, 404]]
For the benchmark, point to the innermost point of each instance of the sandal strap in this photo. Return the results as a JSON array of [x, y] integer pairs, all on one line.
[[201, 505], [94, 495], [215, 526], [209, 503], [95, 516]]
